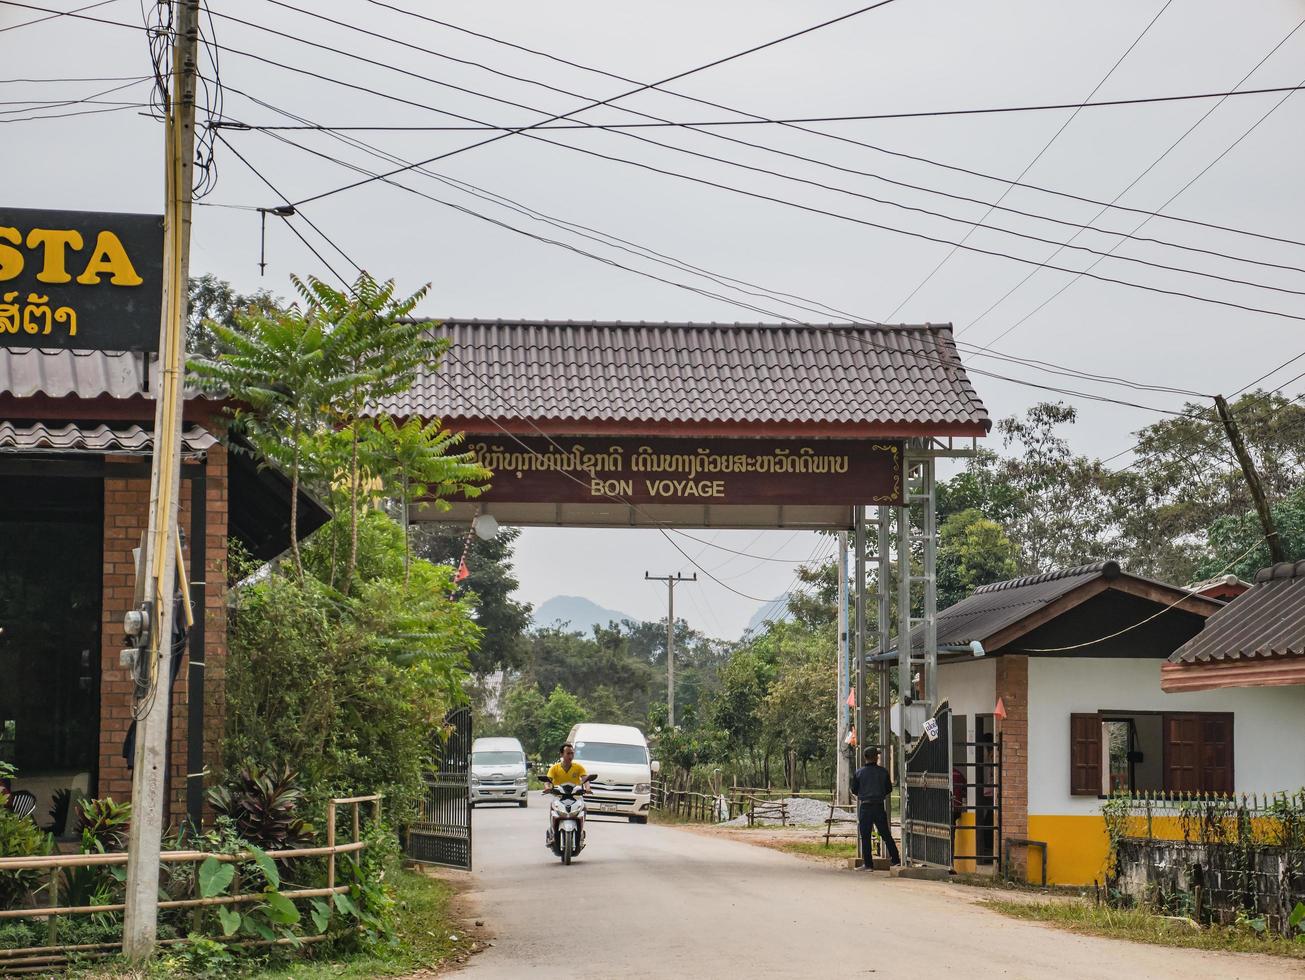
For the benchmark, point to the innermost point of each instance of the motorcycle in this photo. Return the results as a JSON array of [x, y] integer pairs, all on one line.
[[566, 834]]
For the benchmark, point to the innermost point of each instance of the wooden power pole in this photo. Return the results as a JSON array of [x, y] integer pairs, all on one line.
[[140, 924], [1276, 551], [671, 581]]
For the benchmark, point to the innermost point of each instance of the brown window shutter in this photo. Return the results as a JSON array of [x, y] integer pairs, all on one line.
[[1085, 755], [1216, 753], [1182, 753]]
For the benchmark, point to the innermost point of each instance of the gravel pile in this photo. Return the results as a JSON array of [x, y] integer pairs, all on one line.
[[801, 810]]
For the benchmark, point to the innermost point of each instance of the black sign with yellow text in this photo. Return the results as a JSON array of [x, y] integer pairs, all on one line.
[[80, 280]]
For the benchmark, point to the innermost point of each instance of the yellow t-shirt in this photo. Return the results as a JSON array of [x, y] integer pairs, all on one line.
[[557, 775]]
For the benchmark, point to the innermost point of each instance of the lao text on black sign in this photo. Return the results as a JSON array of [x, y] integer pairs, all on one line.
[[680, 471], [80, 280]]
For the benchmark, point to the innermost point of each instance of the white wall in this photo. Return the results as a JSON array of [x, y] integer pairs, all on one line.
[[970, 686], [1268, 724]]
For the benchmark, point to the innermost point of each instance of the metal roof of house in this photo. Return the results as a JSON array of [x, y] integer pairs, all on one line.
[[905, 376], [993, 609], [73, 437], [33, 371], [1267, 620]]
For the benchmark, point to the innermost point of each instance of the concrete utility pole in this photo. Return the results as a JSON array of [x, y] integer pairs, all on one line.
[[1276, 551], [140, 924], [671, 581]]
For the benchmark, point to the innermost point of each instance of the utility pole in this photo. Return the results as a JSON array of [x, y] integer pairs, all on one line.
[[140, 925], [671, 581], [1276, 552]]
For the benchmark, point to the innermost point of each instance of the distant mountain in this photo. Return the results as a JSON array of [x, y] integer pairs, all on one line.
[[578, 614], [775, 609]]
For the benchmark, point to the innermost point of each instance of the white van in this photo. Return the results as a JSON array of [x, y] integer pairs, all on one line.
[[618, 756], [498, 772]]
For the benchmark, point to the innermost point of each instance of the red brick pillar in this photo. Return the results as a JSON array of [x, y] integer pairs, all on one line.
[[126, 514], [1013, 690]]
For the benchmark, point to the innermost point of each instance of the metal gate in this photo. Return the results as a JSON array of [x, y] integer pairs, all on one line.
[[927, 801], [441, 834]]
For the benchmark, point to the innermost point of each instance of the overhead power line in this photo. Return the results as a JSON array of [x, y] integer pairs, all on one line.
[[707, 293], [557, 59], [1030, 165], [535, 134], [642, 251], [971, 226], [1133, 183], [955, 168]]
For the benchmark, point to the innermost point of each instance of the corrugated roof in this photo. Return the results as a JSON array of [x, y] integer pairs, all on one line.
[[93, 438], [992, 608], [77, 374], [1267, 620], [697, 372]]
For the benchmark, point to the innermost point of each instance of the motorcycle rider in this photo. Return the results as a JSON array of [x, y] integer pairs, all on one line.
[[565, 770]]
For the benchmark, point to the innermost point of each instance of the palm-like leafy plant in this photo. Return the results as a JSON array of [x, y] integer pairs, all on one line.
[[264, 806], [309, 379]]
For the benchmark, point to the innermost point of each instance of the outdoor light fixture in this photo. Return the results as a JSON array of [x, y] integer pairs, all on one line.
[[485, 526]]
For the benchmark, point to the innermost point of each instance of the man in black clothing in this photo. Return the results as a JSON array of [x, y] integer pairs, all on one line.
[[872, 787]]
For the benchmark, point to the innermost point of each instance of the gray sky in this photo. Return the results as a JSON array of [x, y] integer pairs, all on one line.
[[911, 55]]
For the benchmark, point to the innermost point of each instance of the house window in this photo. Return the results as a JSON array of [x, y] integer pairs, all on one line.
[[1126, 752]]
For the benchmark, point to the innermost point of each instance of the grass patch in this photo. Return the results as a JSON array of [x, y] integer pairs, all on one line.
[[836, 850], [1145, 927]]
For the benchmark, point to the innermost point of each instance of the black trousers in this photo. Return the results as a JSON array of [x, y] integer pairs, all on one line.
[[873, 815]]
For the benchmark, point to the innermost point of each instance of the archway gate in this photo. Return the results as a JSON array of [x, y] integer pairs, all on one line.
[[831, 427]]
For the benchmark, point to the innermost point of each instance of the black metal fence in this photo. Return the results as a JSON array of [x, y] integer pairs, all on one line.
[[976, 776], [441, 833]]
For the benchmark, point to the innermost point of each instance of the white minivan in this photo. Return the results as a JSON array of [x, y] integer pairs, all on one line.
[[498, 772], [617, 755]]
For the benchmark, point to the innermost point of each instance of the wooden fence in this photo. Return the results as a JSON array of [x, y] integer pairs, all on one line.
[[52, 955]]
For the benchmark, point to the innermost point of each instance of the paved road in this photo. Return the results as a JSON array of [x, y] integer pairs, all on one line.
[[653, 901]]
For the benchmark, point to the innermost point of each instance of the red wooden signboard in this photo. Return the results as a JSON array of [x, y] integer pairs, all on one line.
[[691, 471]]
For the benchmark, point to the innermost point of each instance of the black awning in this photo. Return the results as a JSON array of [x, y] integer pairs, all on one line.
[[258, 513]]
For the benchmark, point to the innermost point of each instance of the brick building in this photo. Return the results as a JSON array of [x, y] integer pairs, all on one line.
[[75, 444]]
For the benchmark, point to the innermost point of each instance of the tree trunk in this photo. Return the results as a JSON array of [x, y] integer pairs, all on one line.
[[294, 506], [353, 508]]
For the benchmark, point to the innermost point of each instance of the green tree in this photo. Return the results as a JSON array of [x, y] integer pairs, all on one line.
[[1235, 544], [972, 551], [523, 712], [213, 300], [561, 713], [490, 586]]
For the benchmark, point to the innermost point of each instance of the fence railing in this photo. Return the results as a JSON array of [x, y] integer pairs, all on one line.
[[1273, 819], [51, 955], [1213, 858]]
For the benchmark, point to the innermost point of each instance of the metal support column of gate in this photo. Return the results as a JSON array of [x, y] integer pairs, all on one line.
[[441, 832], [917, 547], [846, 675]]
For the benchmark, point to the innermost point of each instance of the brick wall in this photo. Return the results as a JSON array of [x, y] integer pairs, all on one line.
[[126, 515], [1013, 690]]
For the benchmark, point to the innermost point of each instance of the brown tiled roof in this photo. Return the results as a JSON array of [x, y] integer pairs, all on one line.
[[77, 374], [1267, 620], [908, 376], [93, 438]]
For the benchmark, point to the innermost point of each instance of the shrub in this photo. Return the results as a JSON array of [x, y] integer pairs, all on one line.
[[105, 825], [264, 805], [20, 837]]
